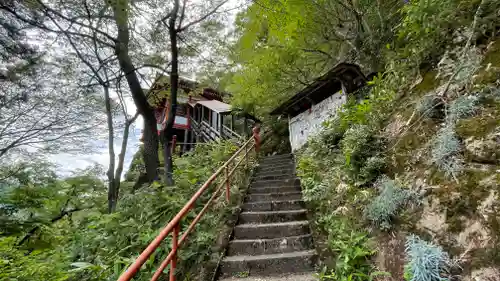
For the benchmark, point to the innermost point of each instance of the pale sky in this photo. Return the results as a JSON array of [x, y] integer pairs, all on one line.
[[68, 163]]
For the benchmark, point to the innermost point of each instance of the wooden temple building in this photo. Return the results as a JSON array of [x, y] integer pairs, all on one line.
[[202, 115]]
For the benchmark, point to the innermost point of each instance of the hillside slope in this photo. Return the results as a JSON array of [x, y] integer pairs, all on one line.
[[407, 180]]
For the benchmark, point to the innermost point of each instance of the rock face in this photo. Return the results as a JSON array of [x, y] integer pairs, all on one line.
[[391, 256], [484, 150], [433, 219], [484, 274]]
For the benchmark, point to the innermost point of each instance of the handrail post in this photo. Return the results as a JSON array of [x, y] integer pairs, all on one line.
[[256, 137], [174, 143], [228, 184], [175, 242], [246, 155]]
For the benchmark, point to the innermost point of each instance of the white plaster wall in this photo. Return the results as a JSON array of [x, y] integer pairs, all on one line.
[[308, 123]]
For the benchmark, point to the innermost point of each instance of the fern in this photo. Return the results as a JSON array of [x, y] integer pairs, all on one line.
[[425, 261], [387, 205]]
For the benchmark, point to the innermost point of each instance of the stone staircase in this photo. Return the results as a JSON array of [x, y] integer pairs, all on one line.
[[272, 236]]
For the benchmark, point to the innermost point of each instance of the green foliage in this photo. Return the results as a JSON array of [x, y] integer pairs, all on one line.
[[38, 265], [427, 26], [356, 143], [425, 261], [75, 239], [387, 205], [332, 133], [445, 149], [359, 148], [372, 168], [282, 46], [351, 247]]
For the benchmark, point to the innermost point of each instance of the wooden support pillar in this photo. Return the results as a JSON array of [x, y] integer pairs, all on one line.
[[221, 125], [232, 122], [185, 146], [245, 129]]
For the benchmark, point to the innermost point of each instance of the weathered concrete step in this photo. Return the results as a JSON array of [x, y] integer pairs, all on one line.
[[276, 172], [273, 216], [304, 276], [270, 246], [271, 230], [258, 197], [291, 181], [275, 157], [274, 189], [273, 264], [274, 206], [273, 166], [276, 164], [272, 177]]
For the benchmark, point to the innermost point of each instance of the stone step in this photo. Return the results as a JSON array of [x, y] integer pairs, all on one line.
[[271, 230], [274, 189], [273, 216], [276, 171], [275, 157], [272, 264], [273, 177], [274, 206], [276, 164], [258, 197], [270, 246], [303, 276], [291, 181], [273, 166]]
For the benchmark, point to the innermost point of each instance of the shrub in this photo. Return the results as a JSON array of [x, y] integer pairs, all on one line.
[[425, 261], [332, 133], [445, 151], [352, 249], [356, 144], [429, 106], [461, 107], [387, 205], [372, 169]]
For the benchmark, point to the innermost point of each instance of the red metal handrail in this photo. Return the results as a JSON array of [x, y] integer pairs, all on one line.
[[174, 225]]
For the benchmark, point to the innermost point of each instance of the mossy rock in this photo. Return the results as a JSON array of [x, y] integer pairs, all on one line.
[[490, 71], [485, 121], [405, 148], [469, 195], [428, 84]]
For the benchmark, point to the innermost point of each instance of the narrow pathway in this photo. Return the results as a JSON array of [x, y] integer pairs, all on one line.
[[272, 236]]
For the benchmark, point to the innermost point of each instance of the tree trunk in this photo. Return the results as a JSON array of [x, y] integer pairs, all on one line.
[[150, 152], [143, 107], [174, 83], [111, 149]]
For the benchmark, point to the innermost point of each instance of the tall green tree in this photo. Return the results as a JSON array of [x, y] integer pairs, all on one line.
[[182, 21], [283, 45], [112, 28]]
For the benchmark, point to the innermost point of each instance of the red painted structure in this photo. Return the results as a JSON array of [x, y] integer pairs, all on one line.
[[173, 226]]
